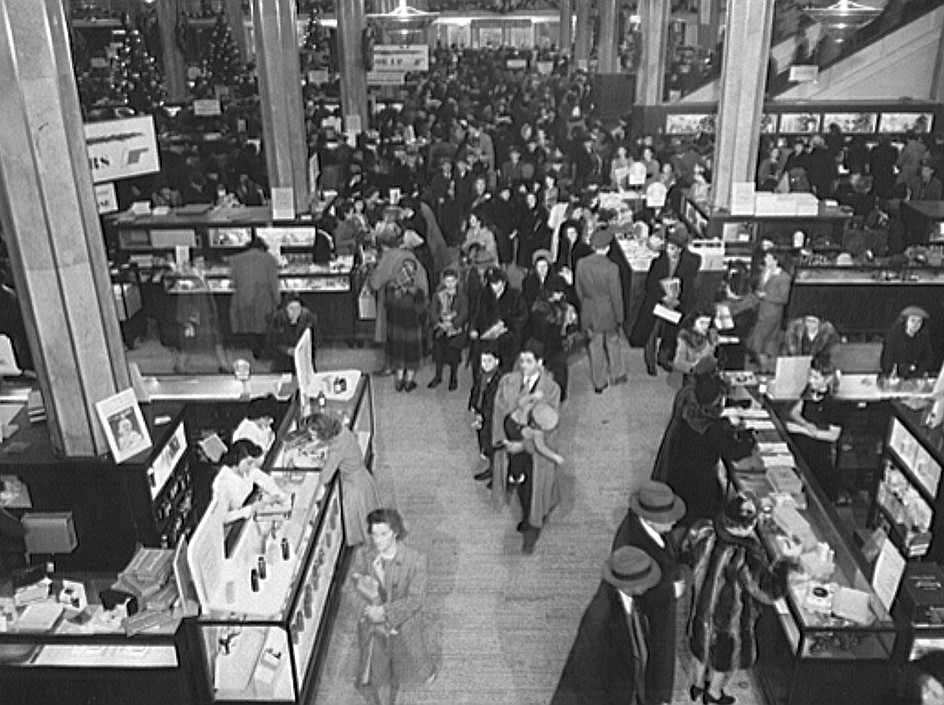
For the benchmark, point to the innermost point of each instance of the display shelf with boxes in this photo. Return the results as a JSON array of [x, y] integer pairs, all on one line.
[[269, 586], [908, 498], [76, 637], [833, 619]]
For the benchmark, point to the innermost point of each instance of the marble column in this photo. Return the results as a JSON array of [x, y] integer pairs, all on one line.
[[50, 223], [566, 26], [650, 78], [283, 123], [351, 24], [744, 71], [937, 77], [607, 50], [583, 36], [235, 16], [175, 68]]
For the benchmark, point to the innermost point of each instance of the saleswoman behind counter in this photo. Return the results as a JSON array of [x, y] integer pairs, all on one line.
[[238, 475], [907, 350]]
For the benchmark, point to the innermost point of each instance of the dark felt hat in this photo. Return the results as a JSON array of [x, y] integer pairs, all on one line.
[[631, 570], [656, 502], [678, 235], [601, 237]]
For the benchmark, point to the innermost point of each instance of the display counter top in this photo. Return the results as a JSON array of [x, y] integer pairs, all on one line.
[[217, 387], [866, 387], [829, 594], [871, 276], [247, 215]]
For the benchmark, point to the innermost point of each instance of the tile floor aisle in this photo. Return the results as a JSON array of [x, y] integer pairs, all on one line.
[[502, 622]]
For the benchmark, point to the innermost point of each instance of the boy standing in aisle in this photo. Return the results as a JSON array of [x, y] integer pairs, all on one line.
[[482, 404]]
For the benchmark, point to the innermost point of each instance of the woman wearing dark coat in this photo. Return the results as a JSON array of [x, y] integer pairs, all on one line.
[[907, 348], [695, 440], [609, 660], [548, 321], [533, 231], [500, 317], [732, 579]]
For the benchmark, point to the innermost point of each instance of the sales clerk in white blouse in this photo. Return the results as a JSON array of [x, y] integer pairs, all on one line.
[[257, 426], [239, 473]]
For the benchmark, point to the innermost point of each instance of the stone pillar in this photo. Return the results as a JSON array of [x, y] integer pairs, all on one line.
[[744, 71], [235, 16], [566, 26], [654, 33], [607, 50], [584, 31], [351, 24], [49, 217], [280, 93], [937, 78], [175, 68]]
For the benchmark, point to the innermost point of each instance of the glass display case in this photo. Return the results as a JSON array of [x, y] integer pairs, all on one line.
[[53, 651], [269, 586], [908, 496], [832, 619]]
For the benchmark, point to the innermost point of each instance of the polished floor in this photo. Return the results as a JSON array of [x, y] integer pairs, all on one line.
[[500, 622]]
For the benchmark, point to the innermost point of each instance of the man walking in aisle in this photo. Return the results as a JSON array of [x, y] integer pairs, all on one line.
[[601, 310]]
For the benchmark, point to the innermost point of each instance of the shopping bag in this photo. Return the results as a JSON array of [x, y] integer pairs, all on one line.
[[366, 305]]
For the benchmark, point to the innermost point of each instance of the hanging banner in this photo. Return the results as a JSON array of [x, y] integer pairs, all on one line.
[[118, 149], [385, 78], [401, 57]]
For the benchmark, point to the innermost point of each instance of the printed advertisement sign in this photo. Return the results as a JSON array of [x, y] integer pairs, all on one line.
[[118, 149]]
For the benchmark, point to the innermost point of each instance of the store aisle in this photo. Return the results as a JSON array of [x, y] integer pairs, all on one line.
[[502, 621]]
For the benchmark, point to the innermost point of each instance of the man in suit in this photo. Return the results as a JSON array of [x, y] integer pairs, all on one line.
[[255, 277], [598, 287], [539, 492], [654, 510], [656, 335], [608, 662]]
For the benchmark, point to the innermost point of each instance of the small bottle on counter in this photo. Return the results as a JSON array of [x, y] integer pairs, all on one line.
[[322, 401], [285, 549], [254, 580], [262, 567], [230, 590]]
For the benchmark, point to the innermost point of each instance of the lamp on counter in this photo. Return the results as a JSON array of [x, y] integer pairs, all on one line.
[[844, 17]]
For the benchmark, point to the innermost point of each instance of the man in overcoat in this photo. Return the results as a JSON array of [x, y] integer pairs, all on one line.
[[255, 276], [608, 662], [654, 510], [539, 493], [597, 282]]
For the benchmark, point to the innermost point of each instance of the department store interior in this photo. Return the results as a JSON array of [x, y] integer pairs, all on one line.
[[505, 352]]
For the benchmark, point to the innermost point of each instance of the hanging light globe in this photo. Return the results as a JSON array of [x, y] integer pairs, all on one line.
[[402, 20], [844, 17]]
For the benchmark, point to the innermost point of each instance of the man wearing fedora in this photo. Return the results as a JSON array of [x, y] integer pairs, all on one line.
[[654, 510], [597, 282], [609, 661]]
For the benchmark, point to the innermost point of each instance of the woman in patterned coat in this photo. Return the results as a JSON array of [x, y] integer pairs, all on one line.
[[732, 578]]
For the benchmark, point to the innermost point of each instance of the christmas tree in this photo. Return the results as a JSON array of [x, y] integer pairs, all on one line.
[[137, 79], [222, 66], [316, 47]]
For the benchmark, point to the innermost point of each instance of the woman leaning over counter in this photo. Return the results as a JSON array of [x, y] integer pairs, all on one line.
[[328, 444], [239, 473]]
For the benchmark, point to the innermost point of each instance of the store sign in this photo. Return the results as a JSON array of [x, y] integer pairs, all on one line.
[[517, 64], [105, 198], [804, 73], [401, 57], [385, 78], [207, 107], [118, 149]]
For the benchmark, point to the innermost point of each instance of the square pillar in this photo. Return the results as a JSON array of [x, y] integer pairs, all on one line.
[[744, 72], [606, 51], [584, 31], [280, 94], [49, 217], [566, 26], [654, 32], [175, 69], [351, 25]]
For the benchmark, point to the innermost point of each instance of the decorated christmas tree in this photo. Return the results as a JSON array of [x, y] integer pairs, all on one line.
[[137, 79], [316, 47], [222, 66]]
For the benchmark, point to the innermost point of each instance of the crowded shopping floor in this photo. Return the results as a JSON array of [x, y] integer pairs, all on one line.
[[518, 352]]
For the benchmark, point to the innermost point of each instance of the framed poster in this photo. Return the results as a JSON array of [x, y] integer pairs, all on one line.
[[689, 123], [123, 424], [799, 123], [118, 149], [852, 123], [899, 123]]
